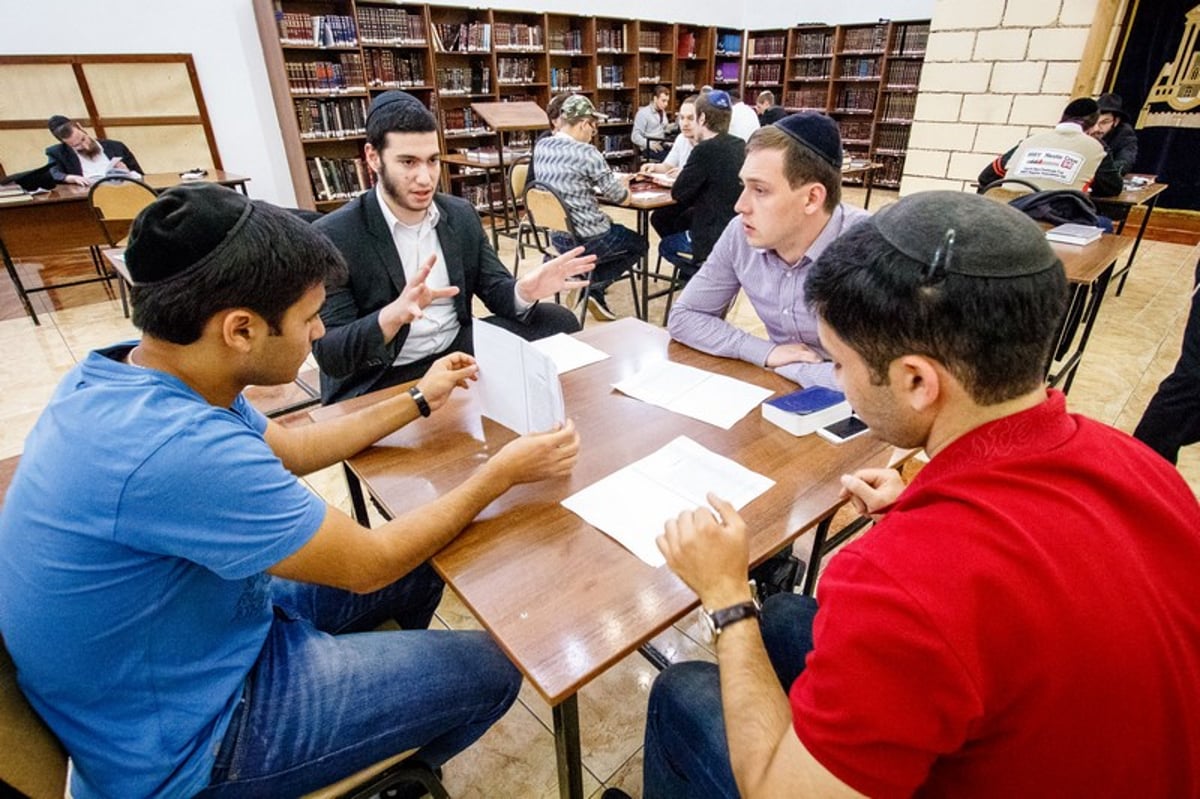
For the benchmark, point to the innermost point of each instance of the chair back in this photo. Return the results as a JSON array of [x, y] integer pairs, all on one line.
[[33, 762], [518, 173], [116, 202], [546, 210]]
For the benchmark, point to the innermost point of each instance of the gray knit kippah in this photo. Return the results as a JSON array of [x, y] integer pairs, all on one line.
[[966, 234], [186, 228], [817, 132]]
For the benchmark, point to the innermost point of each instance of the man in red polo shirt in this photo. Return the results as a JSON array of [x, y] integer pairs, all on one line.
[[1022, 621]]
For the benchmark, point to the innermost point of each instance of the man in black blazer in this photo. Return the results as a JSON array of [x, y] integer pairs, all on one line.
[[73, 142], [416, 260]]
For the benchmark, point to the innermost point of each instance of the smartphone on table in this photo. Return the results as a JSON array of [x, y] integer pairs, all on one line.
[[843, 430]]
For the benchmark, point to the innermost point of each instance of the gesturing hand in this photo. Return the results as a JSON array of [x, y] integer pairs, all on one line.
[[411, 303], [444, 375], [556, 275]]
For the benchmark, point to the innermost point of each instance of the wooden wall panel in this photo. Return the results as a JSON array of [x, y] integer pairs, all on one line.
[[165, 148], [38, 91], [132, 90]]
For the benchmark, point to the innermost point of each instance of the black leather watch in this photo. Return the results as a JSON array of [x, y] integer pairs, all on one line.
[[419, 399], [717, 620]]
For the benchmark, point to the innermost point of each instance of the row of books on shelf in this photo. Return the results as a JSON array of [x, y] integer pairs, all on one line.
[[685, 44], [616, 145], [517, 36], [649, 70], [516, 148], [891, 171], [464, 80], [910, 39], [327, 30], [816, 97], [462, 120], [389, 69], [616, 110], [815, 69], [898, 106], [855, 129], [610, 39], [859, 67], [516, 70], [729, 44], [331, 118], [484, 196], [687, 80], [865, 40], [727, 72], [610, 76], [323, 77], [764, 73], [891, 137], [382, 25], [464, 37], [813, 43], [904, 73], [772, 46], [566, 41], [650, 40], [339, 178], [852, 98], [565, 79]]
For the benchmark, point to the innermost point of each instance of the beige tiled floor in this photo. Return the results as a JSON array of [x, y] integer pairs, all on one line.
[[1134, 346]]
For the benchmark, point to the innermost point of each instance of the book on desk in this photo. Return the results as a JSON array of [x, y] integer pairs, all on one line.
[[805, 411], [1072, 233]]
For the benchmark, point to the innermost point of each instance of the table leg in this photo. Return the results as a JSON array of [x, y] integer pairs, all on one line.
[[643, 224], [1099, 288], [814, 561], [566, 745], [1124, 273], [17, 284], [868, 181], [357, 500]]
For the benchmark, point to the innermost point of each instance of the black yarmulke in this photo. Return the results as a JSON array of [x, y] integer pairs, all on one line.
[[1081, 108], [394, 97], [817, 132], [56, 121], [990, 239], [184, 229]]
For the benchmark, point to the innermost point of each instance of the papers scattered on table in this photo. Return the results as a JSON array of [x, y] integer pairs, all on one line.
[[518, 385], [702, 395], [1071, 233], [633, 504], [568, 352], [646, 195]]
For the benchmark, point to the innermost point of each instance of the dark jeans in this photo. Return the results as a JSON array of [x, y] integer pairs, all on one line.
[[686, 752], [1172, 419], [616, 252], [328, 697], [670, 219], [671, 248], [544, 319]]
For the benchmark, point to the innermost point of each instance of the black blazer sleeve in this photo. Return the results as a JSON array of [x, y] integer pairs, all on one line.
[[472, 263], [1107, 181], [63, 162], [1122, 145], [115, 149]]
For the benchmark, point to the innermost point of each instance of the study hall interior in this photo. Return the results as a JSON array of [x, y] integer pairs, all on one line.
[[971, 81]]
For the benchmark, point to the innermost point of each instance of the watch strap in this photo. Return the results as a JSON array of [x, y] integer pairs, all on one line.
[[734, 613], [421, 402]]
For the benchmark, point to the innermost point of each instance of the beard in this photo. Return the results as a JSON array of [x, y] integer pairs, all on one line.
[[394, 193], [91, 149]]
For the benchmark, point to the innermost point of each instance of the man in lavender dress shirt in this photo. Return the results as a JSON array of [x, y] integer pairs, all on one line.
[[789, 211]]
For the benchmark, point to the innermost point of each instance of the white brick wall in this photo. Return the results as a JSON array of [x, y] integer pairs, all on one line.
[[995, 71]]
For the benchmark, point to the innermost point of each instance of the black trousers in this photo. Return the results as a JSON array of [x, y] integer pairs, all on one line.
[[1172, 419]]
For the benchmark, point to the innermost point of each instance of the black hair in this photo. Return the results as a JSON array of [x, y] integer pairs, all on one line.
[[993, 334], [275, 258], [61, 127], [398, 117], [554, 107]]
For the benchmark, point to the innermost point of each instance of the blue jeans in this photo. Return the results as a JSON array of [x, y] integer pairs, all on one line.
[[327, 698], [670, 248], [616, 251], [686, 752]]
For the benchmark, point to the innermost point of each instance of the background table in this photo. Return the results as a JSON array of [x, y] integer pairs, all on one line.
[[63, 220], [1089, 271], [1144, 195], [563, 600]]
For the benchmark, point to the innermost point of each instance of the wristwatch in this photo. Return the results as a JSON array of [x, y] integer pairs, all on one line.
[[419, 399], [717, 620]]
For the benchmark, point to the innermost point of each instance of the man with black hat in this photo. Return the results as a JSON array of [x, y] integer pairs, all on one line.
[[417, 258], [81, 159], [175, 598], [789, 211], [1063, 158], [1115, 133], [1021, 621]]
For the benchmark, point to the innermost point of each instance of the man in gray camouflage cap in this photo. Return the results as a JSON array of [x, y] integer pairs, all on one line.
[[1020, 621]]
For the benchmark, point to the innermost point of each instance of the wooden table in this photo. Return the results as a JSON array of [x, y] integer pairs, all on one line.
[[867, 171], [1145, 195], [63, 220], [1089, 269], [646, 201], [562, 599]]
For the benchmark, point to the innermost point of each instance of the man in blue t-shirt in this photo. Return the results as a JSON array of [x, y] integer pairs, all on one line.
[[177, 603]]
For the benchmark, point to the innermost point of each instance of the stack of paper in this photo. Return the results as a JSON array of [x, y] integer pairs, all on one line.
[[1072, 233]]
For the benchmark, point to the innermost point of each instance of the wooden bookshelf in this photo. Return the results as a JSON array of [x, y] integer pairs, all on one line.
[[765, 62], [729, 59], [693, 59]]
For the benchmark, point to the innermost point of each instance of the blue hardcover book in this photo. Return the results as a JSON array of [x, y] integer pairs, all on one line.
[[803, 411]]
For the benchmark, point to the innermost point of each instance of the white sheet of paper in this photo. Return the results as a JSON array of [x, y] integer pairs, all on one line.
[[568, 352], [518, 385], [709, 397], [633, 504]]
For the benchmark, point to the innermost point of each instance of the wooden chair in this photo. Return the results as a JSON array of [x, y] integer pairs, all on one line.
[[35, 764], [547, 212], [518, 174], [116, 202]]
